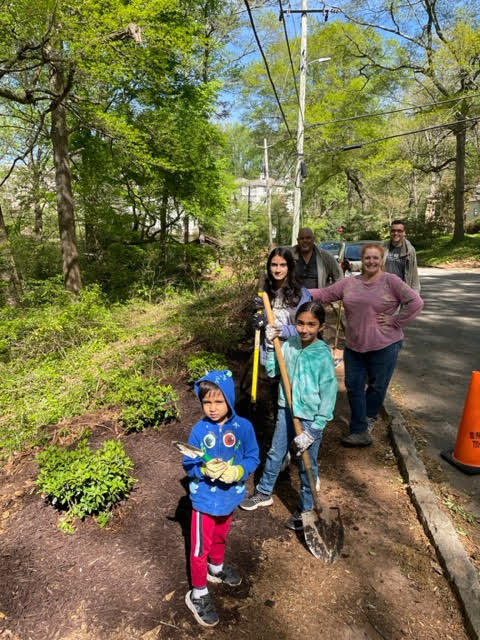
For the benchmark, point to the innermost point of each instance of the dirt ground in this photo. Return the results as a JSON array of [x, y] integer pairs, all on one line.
[[129, 579]]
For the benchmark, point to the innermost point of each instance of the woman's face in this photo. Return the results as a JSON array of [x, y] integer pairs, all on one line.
[[372, 261], [279, 269]]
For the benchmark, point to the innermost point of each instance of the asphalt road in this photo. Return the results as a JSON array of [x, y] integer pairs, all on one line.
[[441, 349]]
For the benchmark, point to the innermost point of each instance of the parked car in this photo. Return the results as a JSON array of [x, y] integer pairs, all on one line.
[[351, 262], [336, 248]]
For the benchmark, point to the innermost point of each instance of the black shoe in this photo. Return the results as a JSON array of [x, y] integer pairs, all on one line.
[[202, 609], [227, 575], [294, 522]]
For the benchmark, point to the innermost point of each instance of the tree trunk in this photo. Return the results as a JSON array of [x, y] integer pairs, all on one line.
[[66, 219], [163, 227], [459, 229], [8, 269]]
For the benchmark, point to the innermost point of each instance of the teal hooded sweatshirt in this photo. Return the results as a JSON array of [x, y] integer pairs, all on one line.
[[311, 372]]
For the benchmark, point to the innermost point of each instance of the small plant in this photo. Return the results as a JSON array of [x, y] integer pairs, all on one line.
[[204, 361], [84, 482], [459, 510], [145, 402]]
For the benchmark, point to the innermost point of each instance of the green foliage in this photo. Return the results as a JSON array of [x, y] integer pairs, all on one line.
[[53, 329], [144, 402], [204, 361], [473, 226], [84, 482], [444, 251]]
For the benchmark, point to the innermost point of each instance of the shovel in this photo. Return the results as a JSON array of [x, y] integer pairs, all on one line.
[[323, 529]]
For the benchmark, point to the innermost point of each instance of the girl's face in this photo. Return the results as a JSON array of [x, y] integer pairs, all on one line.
[[279, 269], [308, 327], [372, 261]]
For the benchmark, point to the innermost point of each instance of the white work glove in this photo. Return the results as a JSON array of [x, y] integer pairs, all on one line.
[[302, 442], [273, 331]]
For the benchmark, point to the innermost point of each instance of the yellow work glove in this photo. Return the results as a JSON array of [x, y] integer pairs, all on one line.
[[214, 468], [232, 473]]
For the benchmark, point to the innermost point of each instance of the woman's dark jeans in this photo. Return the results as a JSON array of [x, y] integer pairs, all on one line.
[[373, 369]]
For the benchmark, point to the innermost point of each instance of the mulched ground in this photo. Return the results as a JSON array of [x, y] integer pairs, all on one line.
[[129, 579]]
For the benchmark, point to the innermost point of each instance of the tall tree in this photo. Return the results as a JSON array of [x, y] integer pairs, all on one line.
[[442, 52]]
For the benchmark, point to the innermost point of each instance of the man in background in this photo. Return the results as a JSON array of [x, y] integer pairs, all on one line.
[[400, 255], [314, 267]]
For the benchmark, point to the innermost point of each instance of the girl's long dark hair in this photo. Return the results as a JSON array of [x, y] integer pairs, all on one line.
[[292, 289]]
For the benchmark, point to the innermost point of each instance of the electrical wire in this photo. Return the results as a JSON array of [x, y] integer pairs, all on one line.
[[359, 145], [386, 113], [268, 69], [282, 17]]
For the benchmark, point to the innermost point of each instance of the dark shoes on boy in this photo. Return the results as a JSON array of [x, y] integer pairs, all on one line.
[[202, 609], [227, 575], [257, 499]]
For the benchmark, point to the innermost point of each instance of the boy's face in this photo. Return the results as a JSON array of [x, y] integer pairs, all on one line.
[[215, 406]]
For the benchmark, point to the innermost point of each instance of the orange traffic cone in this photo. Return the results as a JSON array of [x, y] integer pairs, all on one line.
[[466, 455]]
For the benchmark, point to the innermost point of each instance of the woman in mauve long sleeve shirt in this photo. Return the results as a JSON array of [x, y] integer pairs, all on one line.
[[373, 336]]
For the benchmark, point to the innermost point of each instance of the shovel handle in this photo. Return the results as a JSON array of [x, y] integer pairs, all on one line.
[[337, 328], [297, 425]]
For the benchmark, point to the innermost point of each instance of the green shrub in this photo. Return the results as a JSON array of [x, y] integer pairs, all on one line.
[[473, 226], [145, 402], [82, 481], [204, 361]]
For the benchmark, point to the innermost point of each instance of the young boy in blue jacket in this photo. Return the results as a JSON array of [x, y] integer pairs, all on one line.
[[217, 486]]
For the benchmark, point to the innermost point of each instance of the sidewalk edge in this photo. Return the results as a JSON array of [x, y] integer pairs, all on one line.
[[452, 556]]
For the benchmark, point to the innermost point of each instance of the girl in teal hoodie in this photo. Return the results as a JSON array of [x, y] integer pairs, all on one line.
[[311, 371]]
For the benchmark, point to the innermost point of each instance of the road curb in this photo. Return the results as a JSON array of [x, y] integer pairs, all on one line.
[[452, 556]]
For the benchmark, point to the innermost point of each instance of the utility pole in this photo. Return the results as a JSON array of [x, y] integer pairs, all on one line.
[[297, 200], [269, 195]]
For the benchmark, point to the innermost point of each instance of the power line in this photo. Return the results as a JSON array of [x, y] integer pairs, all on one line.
[[359, 145], [315, 125], [267, 69], [282, 18]]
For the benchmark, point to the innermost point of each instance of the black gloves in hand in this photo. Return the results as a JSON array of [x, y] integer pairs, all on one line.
[[259, 320], [258, 303]]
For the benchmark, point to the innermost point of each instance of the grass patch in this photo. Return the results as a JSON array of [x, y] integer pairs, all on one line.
[[51, 371], [444, 251]]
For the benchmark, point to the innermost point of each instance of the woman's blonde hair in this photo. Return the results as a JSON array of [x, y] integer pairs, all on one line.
[[372, 245]]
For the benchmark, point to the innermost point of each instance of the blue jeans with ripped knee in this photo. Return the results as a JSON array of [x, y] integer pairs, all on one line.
[[282, 438]]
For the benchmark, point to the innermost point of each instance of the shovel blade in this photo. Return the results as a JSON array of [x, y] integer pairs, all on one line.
[[324, 533]]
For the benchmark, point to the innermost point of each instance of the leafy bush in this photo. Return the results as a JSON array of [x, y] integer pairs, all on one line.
[[145, 402], [82, 481], [473, 226], [200, 363], [55, 327]]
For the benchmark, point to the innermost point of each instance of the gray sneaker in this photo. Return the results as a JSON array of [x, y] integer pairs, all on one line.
[[202, 609], [371, 423], [363, 439], [227, 575], [257, 499]]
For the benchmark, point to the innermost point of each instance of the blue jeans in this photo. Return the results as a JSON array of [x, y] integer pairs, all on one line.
[[374, 369], [282, 437]]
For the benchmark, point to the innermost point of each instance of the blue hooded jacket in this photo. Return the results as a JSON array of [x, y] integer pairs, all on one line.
[[234, 441]]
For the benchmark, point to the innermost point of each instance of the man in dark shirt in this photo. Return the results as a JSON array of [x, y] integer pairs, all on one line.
[[314, 267], [400, 256]]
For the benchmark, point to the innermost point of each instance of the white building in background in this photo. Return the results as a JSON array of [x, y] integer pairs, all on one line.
[[254, 191], [472, 211]]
